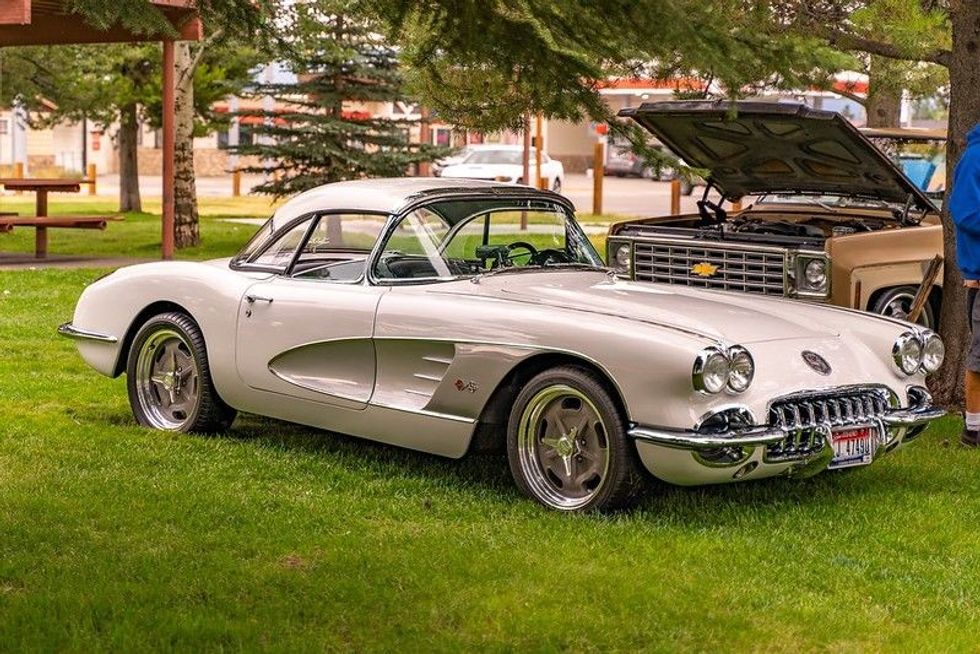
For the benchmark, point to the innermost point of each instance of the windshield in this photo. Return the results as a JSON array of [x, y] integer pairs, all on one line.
[[452, 240], [496, 157]]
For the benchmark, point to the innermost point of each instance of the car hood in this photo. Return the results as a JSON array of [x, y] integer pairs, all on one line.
[[720, 317], [753, 148]]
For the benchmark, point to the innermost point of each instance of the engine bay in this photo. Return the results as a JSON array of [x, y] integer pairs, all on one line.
[[813, 227], [765, 227]]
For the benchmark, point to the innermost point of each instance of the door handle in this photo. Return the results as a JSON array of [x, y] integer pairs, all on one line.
[[252, 299]]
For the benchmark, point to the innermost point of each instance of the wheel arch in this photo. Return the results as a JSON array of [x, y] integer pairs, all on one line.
[[154, 309], [490, 436]]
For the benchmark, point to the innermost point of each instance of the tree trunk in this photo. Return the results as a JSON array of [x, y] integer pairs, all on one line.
[[964, 113], [884, 103], [186, 220], [129, 183]]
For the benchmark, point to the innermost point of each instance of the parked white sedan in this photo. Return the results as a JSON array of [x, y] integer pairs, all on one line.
[[450, 317], [505, 163]]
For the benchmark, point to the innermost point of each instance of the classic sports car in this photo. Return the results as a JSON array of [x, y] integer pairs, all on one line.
[[823, 214], [450, 316]]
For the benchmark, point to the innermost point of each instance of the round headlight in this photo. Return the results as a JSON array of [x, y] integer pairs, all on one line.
[[711, 371], [907, 353], [622, 257], [816, 273], [742, 369], [933, 353]]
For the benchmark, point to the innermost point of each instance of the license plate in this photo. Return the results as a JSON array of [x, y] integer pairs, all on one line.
[[853, 446]]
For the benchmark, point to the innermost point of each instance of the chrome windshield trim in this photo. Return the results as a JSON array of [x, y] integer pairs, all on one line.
[[70, 331]]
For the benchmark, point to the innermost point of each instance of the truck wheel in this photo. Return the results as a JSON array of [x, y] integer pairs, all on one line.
[[897, 302]]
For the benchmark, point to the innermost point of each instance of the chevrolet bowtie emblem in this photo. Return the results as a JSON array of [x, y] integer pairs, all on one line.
[[704, 269]]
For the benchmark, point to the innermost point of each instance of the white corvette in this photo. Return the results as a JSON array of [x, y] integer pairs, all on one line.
[[505, 163], [446, 317]]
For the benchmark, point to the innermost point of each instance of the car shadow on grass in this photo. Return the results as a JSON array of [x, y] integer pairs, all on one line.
[[835, 493], [700, 506]]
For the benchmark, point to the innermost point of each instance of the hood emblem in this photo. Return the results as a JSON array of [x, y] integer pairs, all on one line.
[[704, 269], [817, 362]]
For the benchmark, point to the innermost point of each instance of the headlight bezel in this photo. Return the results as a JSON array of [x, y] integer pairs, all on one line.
[[726, 381], [614, 249], [800, 282], [908, 365], [702, 363], [932, 339], [736, 355]]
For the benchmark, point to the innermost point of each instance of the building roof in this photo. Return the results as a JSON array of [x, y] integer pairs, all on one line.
[[391, 195], [52, 22]]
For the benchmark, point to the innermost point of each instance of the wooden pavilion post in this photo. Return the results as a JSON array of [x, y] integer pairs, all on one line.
[[169, 146]]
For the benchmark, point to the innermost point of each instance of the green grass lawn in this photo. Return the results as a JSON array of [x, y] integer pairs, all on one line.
[[276, 537]]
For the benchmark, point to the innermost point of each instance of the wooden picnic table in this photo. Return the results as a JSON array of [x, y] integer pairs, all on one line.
[[41, 221]]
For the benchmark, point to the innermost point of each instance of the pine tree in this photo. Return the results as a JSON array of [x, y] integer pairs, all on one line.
[[324, 127]]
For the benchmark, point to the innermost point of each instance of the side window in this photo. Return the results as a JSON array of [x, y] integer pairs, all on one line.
[[338, 247], [418, 233], [280, 253], [412, 249]]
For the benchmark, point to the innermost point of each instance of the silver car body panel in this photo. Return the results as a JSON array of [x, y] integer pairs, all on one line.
[[415, 365]]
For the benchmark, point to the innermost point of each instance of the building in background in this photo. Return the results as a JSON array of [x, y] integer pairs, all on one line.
[[65, 149]]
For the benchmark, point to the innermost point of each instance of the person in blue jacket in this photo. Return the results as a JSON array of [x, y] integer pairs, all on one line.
[[964, 208]]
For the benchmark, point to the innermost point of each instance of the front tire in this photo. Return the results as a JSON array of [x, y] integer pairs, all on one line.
[[169, 379], [567, 443]]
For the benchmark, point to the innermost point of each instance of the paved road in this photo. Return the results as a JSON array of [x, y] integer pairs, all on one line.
[[628, 197]]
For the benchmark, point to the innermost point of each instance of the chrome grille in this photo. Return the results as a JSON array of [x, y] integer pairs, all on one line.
[[807, 419], [756, 270]]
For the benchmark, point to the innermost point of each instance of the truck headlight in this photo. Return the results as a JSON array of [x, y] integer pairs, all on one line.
[[812, 276], [907, 353], [621, 257], [933, 352]]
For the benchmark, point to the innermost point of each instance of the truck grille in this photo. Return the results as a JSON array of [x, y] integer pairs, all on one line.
[[759, 270], [806, 419]]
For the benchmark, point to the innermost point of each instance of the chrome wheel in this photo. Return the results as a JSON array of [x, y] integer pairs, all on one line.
[[167, 380], [563, 447], [898, 304]]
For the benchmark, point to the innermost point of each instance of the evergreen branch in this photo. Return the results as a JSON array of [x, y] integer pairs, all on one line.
[[848, 41]]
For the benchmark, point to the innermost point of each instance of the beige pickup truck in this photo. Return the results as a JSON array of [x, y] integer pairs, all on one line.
[[825, 215]]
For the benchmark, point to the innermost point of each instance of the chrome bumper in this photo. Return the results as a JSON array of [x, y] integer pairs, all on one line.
[[693, 440], [911, 419], [70, 331]]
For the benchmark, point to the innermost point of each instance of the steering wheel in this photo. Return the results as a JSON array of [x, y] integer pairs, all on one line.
[[517, 245]]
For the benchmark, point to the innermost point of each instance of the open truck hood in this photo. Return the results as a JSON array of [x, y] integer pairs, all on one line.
[[753, 148]]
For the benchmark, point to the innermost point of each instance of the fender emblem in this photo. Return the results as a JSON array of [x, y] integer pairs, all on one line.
[[704, 269], [817, 362], [470, 386]]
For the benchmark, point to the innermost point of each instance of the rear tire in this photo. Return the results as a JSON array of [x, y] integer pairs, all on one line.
[[567, 443], [169, 379]]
